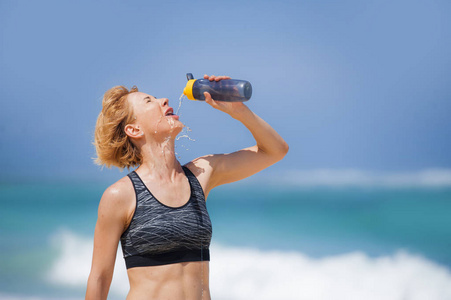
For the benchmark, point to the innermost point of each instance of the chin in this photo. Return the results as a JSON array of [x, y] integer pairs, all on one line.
[[177, 130], [177, 127]]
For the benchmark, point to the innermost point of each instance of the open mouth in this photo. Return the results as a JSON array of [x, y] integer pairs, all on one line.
[[170, 113]]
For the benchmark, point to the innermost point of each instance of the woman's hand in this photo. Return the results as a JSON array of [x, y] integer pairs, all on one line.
[[231, 108]]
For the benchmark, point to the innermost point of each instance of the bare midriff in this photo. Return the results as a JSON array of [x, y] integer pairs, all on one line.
[[180, 281]]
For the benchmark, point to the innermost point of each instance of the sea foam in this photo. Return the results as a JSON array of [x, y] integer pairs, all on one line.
[[244, 273]]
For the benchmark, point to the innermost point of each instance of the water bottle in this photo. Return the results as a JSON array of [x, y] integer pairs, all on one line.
[[232, 90]]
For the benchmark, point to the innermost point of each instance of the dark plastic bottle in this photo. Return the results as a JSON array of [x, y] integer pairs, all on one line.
[[232, 90]]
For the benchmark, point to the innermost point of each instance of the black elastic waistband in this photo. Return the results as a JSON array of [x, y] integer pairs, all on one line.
[[167, 258]]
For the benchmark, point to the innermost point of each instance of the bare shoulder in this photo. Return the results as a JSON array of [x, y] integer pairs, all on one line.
[[118, 200], [202, 167], [119, 189]]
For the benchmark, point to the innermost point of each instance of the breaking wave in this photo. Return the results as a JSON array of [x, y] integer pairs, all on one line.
[[244, 273]]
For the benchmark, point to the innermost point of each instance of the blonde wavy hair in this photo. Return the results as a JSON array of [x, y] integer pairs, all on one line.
[[113, 146]]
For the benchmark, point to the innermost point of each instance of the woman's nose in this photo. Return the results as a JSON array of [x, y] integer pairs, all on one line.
[[164, 101]]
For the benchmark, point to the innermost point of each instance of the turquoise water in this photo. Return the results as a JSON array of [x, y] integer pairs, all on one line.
[[316, 222], [330, 221]]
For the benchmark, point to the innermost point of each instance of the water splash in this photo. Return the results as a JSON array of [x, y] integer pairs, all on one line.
[[171, 122], [185, 136], [180, 104]]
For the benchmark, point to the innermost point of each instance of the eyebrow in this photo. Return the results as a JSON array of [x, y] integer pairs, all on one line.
[[147, 97]]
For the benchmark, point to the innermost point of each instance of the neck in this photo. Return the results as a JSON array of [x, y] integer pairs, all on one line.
[[159, 161]]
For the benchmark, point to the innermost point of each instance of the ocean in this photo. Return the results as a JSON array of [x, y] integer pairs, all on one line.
[[269, 242]]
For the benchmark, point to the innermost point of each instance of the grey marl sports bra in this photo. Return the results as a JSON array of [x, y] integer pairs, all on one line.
[[160, 235]]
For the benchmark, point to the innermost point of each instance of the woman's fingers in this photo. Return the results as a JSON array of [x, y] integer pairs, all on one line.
[[216, 78], [207, 97], [211, 77], [210, 100]]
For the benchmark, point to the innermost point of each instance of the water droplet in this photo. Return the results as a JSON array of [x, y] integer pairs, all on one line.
[[158, 124]]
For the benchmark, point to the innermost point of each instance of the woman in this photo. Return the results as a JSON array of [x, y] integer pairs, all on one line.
[[158, 211]]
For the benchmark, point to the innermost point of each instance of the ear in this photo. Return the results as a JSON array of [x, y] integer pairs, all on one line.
[[133, 131]]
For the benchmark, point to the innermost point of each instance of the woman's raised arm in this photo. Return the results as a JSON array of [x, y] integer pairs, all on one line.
[[219, 169]]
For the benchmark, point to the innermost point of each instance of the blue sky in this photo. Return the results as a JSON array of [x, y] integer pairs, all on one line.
[[352, 84]]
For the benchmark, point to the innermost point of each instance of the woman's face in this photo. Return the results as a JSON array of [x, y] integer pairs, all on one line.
[[154, 116]]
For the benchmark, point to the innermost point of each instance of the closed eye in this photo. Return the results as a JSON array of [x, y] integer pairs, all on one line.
[[149, 99]]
